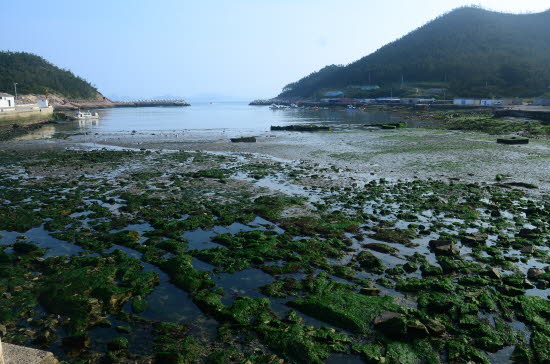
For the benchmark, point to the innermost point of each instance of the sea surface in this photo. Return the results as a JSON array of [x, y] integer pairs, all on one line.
[[223, 116]]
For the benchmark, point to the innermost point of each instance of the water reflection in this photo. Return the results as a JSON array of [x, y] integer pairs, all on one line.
[[45, 132]]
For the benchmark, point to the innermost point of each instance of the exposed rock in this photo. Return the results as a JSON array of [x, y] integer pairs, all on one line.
[[510, 291], [381, 248], [534, 272], [444, 247], [475, 239], [386, 316], [416, 329], [391, 324], [410, 267], [529, 249], [119, 343], [435, 328], [494, 273], [399, 327]]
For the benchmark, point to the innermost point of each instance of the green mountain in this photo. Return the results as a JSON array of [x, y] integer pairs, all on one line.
[[470, 51], [35, 75]]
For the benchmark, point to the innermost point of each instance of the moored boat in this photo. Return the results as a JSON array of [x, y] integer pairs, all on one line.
[[86, 115]]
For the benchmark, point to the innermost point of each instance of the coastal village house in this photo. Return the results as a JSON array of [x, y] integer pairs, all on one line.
[[7, 101]]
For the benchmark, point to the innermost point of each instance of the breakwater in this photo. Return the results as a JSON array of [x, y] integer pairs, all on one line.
[[107, 104], [151, 103]]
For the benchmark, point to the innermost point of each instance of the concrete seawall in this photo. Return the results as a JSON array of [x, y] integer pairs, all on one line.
[[25, 115], [542, 115]]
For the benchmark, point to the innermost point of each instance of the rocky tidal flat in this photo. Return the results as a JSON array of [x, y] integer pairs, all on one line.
[[124, 256]]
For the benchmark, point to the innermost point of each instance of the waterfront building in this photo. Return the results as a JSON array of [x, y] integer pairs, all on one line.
[[491, 102], [7, 101], [463, 101]]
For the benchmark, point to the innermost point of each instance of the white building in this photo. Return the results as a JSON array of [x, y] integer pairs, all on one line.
[[6, 100], [490, 102], [42, 103], [465, 102]]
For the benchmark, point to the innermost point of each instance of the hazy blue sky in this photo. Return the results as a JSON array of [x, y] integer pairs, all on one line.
[[242, 48]]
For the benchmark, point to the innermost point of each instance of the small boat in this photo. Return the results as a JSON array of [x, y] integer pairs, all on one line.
[[278, 107], [86, 115], [351, 107], [294, 106]]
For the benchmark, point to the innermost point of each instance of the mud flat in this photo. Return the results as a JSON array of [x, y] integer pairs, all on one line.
[[403, 154], [395, 246]]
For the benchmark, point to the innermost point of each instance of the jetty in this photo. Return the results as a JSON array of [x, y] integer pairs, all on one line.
[[105, 103]]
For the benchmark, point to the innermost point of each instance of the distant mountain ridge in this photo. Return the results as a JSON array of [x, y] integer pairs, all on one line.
[[470, 51], [34, 75]]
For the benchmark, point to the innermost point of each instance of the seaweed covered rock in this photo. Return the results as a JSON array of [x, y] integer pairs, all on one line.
[[87, 287], [369, 262], [338, 305]]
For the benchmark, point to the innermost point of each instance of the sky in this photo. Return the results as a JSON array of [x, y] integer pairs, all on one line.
[[213, 49]]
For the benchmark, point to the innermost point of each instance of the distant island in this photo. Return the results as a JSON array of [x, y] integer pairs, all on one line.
[[469, 52]]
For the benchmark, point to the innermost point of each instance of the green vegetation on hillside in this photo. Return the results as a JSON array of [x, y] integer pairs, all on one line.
[[470, 51], [34, 74]]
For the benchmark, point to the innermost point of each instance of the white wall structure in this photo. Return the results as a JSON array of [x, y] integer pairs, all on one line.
[[6, 100], [490, 102], [42, 103], [464, 102]]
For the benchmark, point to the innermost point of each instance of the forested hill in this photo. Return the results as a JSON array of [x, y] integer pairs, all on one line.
[[35, 75], [470, 51]]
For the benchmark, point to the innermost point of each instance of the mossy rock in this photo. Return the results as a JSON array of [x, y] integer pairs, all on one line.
[[139, 304], [119, 343], [342, 307]]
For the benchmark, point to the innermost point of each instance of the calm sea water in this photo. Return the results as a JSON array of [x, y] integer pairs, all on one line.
[[224, 116]]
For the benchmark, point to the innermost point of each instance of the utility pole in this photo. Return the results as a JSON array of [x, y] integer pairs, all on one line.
[[402, 80], [15, 87]]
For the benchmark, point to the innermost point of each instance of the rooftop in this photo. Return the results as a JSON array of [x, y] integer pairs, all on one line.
[[3, 94]]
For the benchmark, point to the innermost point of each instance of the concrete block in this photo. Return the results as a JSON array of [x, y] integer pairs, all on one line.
[[15, 354]]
